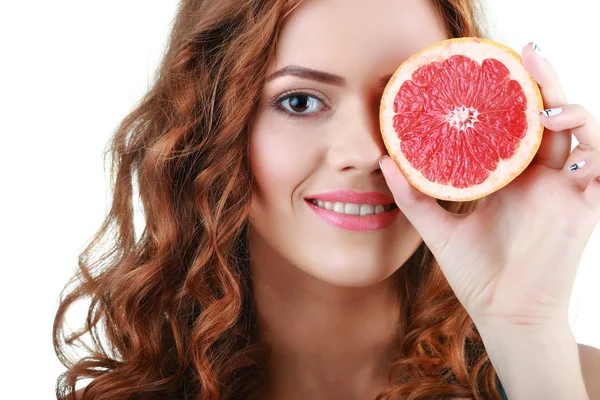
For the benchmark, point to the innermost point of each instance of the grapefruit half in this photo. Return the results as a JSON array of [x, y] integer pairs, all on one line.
[[461, 118]]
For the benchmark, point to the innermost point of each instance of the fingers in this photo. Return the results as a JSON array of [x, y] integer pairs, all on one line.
[[563, 120], [433, 223], [586, 172], [545, 75], [576, 119], [555, 147]]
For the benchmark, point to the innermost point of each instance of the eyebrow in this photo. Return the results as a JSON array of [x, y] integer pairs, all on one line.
[[308, 73], [319, 76]]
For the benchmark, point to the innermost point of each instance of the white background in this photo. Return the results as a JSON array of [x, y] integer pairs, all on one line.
[[71, 70]]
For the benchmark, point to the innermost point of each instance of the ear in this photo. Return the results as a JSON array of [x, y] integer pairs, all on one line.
[[589, 360]]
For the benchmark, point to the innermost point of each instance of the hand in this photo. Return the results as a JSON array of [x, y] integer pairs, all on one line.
[[515, 258]]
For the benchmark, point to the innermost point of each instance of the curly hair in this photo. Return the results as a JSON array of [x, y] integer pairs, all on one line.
[[171, 314]]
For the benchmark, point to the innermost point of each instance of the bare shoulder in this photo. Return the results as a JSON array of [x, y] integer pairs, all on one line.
[[589, 359]]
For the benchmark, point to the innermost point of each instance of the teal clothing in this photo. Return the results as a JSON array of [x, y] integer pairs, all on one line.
[[502, 392]]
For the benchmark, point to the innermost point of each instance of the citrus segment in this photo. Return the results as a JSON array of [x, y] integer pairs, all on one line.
[[461, 118]]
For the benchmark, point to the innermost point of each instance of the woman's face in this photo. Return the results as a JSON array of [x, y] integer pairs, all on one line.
[[315, 144]]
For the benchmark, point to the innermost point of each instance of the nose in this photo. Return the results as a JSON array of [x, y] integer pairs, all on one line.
[[357, 144]]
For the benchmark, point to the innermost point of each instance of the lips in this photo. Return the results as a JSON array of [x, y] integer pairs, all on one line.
[[354, 211]]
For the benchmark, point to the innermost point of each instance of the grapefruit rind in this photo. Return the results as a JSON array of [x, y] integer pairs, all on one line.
[[478, 50]]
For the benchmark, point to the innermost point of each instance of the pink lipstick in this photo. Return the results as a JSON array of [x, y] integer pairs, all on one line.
[[354, 211]]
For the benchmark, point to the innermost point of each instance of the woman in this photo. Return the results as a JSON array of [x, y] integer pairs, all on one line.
[[237, 289]]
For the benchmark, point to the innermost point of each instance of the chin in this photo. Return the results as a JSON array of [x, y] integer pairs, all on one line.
[[309, 253], [351, 273], [351, 280]]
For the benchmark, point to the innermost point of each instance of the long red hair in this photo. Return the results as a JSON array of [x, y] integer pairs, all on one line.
[[171, 314]]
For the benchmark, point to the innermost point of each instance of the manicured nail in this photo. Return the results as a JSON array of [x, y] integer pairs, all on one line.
[[551, 111], [537, 49], [381, 158], [577, 166]]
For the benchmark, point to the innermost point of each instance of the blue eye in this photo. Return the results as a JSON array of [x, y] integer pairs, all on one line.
[[301, 103]]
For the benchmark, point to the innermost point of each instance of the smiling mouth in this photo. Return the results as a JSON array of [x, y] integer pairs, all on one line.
[[352, 208]]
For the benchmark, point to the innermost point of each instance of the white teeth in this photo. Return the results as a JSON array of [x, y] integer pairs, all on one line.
[[351, 208], [367, 209], [338, 207]]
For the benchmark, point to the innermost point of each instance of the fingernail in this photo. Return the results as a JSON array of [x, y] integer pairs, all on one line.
[[381, 158], [577, 166], [537, 49], [551, 111]]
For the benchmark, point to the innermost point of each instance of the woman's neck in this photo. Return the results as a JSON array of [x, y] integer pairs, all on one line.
[[327, 341]]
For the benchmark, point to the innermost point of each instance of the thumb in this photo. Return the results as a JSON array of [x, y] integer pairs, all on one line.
[[433, 222]]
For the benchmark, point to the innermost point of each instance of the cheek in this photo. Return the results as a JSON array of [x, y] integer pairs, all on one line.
[[281, 158]]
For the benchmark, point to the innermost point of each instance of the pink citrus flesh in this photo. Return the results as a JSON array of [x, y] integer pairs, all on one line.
[[461, 118]]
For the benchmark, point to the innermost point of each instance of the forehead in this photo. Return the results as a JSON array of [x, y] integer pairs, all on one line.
[[357, 39]]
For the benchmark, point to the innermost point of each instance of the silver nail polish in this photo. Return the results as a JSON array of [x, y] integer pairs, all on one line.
[[537, 49], [577, 166], [551, 111]]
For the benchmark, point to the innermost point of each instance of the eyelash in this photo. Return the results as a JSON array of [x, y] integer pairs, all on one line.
[[276, 104]]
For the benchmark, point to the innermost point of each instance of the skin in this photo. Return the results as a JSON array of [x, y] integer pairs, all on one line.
[[512, 263], [325, 297], [324, 294]]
